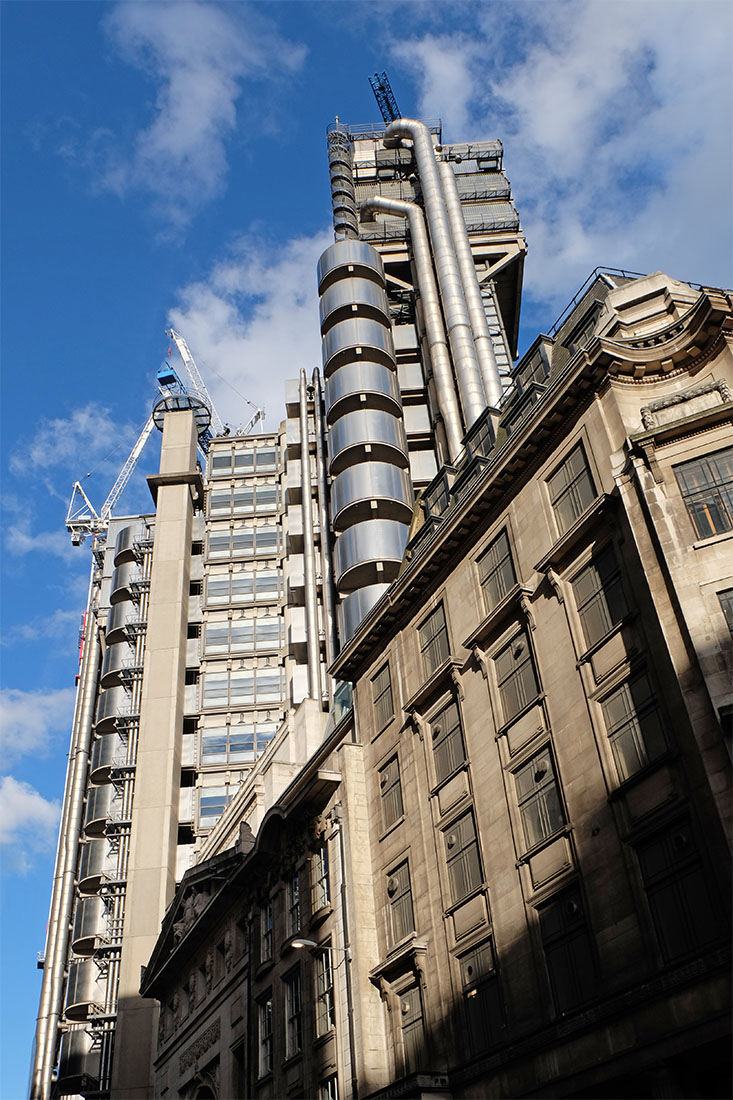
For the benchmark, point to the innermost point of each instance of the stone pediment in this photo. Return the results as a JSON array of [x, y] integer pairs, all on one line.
[[198, 888]]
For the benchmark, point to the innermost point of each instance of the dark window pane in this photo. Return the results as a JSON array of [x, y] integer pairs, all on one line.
[[706, 485]]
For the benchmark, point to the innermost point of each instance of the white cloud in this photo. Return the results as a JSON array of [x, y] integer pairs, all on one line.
[[58, 624], [28, 823], [198, 55], [89, 435], [30, 719], [616, 122], [19, 541], [254, 323]]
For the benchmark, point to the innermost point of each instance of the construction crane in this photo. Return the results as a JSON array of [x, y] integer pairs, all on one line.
[[385, 97], [82, 518], [196, 387]]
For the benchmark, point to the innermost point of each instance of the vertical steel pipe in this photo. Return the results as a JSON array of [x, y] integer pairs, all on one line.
[[455, 310], [434, 328], [309, 557], [329, 602], [62, 900], [471, 289]]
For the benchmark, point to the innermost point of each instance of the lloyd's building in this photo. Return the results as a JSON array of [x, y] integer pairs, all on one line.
[[398, 764]]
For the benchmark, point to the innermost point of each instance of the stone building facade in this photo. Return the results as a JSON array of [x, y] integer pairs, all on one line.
[[531, 794]]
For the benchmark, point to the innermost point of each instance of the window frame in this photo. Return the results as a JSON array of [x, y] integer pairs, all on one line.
[[485, 577], [515, 676], [325, 1001], [537, 795], [448, 743], [382, 691], [429, 649], [466, 857], [388, 784], [558, 944], [716, 488], [264, 1035], [395, 898], [610, 612], [293, 1013], [574, 488], [320, 878], [632, 724]]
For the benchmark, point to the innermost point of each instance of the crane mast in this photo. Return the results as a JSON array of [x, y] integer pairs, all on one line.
[[385, 97], [197, 382]]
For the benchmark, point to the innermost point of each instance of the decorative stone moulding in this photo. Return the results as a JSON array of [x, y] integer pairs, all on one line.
[[682, 345]]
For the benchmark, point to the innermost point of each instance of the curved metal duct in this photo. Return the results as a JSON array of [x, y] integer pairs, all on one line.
[[378, 384], [367, 435], [117, 657], [471, 289], [113, 703], [353, 297], [97, 862], [349, 259], [85, 990], [125, 550], [99, 809], [371, 490], [123, 579], [79, 1062], [90, 925], [365, 416], [348, 340], [357, 605], [369, 553], [455, 310], [107, 753], [433, 318]]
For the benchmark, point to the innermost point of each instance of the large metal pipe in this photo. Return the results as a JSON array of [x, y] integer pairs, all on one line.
[[309, 556], [329, 602], [455, 310], [471, 289], [57, 946], [434, 328]]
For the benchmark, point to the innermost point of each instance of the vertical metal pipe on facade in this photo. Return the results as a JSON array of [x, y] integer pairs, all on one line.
[[434, 328], [309, 557], [323, 517], [471, 289], [455, 310], [52, 989]]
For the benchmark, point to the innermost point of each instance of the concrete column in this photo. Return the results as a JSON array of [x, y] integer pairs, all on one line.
[[152, 862]]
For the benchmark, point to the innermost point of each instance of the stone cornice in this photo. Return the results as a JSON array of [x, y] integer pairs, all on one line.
[[684, 343]]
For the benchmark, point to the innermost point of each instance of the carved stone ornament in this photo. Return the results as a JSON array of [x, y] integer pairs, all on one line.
[[193, 905], [199, 1047], [648, 412]]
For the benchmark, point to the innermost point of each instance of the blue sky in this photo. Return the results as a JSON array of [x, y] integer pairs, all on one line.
[[164, 164]]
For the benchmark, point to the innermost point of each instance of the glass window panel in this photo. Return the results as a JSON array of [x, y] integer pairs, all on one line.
[[213, 746], [219, 501], [217, 589], [243, 500], [434, 640], [242, 540], [244, 461], [219, 545], [266, 496], [539, 799], [268, 633], [268, 685], [571, 489], [241, 746], [215, 688], [634, 726], [212, 802], [242, 686], [266, 459], [221, 460], [242, 587], [706, 485], [216, 638], [516, 677], [266, 586], [496, 571], [242, 635]]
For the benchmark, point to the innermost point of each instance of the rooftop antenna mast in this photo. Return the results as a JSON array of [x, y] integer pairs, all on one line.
[[385, 97]]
